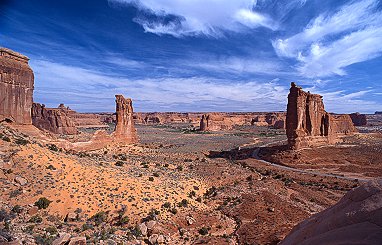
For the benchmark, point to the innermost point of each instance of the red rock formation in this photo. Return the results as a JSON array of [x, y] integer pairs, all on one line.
[[54, 120], [355, 219], [124, 129], [308, 124], [204, 123], [16, 87], [216, 122], [358, 119]]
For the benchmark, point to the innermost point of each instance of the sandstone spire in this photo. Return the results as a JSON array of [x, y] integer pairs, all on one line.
[[124, 129]]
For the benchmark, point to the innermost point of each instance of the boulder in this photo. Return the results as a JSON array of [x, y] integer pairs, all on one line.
[[77, 241], [153, 238], [143, 229], [355, 219], [63, 239], [20, 180]]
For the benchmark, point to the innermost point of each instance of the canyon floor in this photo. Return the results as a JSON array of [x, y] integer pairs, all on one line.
[[176, 186]]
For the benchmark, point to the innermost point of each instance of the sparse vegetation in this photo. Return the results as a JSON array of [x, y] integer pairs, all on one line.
[[119, 163], [42, 203]]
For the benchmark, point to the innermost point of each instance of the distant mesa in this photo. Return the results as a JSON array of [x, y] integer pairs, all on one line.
[[378, 113], [308, 124], [16, 87], [358, 119], [355, 219]]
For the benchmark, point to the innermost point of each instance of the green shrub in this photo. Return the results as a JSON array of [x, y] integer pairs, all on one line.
[[17, 209], [99, 217], [51, 229], [53, 147], [166, 205], [183, 203], [42, 203], [119, 163], [203, 231], [21, 141], [35, 219]]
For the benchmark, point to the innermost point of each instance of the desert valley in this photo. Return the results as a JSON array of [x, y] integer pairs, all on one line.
[[303, 176], [184, 122]]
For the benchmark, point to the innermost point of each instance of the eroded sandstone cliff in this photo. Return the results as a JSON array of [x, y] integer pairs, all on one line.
[[16, 87], [308, 124], [55, 120]]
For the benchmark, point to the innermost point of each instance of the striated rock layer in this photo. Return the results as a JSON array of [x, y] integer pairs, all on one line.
[[124, 129], [308, 124], [355, 219], [55, 120], [16, 87]]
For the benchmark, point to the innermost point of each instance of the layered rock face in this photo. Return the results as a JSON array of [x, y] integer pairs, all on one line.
[[215, 122], [308, 124], [55, 120], [358, 119], [355, 219], [274, 119], [16, 87], [124, 130]]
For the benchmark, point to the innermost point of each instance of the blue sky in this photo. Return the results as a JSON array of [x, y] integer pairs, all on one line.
[[199, 55]]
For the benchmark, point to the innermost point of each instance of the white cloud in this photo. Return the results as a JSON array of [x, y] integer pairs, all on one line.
[[237, 65], [92, 90], [196, 17], [331, 42], [344, 102]]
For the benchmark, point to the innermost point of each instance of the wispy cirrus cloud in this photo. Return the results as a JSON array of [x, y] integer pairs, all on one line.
[[207, 17], [334, 41]]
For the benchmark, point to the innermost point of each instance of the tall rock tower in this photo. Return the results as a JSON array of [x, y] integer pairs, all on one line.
[[16, 87], [125, 131]]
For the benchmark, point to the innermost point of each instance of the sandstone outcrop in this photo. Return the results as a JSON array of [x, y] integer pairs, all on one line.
[[16, 87], [355, 219], [308, 124], [55, 120], [274, 119], [358, 119], [215, 122], [124, 129]]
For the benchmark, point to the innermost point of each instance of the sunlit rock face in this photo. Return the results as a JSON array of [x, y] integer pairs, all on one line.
[[308, 124], [16, 87], [124, 130], [55, 120], [355, 219]]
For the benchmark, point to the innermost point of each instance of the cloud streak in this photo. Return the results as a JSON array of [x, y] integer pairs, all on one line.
[[334, 41], [199, 17]]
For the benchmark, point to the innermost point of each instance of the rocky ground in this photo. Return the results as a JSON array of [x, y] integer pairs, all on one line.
[[176, 186]]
